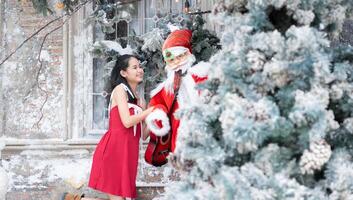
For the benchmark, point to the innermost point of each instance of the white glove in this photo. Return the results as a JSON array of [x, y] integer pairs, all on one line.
[[158, 122]]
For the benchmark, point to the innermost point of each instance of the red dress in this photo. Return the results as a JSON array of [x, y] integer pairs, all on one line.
[[114, 166]]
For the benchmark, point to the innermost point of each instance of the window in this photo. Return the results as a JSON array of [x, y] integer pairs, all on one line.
[[123, 28]]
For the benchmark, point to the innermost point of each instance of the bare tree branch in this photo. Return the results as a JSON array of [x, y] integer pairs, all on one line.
[[42, 28], [54, 20], [38, 73], [40, 50], [41, 64], [77, 8], [30, 37]]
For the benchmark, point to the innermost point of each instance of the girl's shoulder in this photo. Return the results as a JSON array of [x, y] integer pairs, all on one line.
[[119, 89]]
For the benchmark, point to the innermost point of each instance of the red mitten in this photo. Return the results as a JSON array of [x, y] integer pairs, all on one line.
[[158, 122]]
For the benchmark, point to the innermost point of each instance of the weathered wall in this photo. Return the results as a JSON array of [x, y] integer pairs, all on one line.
[[2, 55], [31, 92]]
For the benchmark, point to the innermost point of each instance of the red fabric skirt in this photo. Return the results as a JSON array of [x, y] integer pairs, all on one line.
[[114, 166]]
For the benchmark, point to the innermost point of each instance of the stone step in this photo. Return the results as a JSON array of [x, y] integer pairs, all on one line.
[[37, 173], [55, 193]]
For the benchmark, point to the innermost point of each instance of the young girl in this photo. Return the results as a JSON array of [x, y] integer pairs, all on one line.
[[114, 166]]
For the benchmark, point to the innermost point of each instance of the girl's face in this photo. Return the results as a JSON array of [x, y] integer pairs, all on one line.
[[134, 72]]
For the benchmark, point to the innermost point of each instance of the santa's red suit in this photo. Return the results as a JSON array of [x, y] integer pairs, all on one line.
[[162, 121]]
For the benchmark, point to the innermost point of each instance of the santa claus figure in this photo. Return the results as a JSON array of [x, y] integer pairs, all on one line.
[[179, 85]]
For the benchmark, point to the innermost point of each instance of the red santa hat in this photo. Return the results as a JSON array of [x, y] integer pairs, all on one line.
[[178, 42]]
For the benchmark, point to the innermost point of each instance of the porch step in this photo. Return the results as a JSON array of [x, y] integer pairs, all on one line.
[[55, 193], [38, 174]]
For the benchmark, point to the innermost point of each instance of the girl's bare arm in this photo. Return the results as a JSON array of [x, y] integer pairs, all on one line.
[[119, 97]]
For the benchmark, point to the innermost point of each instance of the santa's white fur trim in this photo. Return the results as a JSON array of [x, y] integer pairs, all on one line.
[[157, 89], [200, 69], [168, 83], [158, 114], [188, 95]]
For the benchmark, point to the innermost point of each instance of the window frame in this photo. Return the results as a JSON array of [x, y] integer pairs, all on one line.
[[89, 131]]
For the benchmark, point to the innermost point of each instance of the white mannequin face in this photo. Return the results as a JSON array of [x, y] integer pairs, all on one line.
[[177, 62]]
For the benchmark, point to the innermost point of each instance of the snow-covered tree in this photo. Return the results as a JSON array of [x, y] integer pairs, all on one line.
[[277, 117]]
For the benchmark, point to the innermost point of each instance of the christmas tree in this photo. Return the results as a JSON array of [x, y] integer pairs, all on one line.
[[277, 117]]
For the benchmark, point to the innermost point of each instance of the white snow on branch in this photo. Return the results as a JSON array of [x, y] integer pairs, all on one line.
[[112, 45]]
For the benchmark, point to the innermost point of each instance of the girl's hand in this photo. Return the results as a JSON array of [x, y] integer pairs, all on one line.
[[150, 109]]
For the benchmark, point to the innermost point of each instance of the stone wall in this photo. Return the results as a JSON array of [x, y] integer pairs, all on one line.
[[31, 91]]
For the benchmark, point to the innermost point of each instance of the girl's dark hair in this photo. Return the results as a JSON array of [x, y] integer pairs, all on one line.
[[122, 63]]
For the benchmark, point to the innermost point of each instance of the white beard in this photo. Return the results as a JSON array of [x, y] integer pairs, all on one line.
[[170, 73], [187, 91], [188, 95]]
